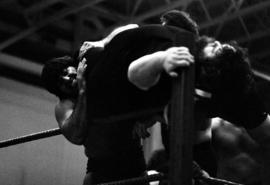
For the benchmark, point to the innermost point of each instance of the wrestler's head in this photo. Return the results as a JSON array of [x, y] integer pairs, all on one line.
[[59, 77], [179, 19], [222, 67]]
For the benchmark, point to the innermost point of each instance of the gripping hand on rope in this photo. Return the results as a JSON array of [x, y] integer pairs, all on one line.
[[145, 72], [176, 57]]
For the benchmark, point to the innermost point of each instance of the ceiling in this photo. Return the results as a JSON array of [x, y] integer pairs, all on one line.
[[33, 31]]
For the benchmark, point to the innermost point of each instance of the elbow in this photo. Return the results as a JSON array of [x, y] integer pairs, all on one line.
[[137, 78], [76, 140], [73, 136], [145, 72], [137, 83]]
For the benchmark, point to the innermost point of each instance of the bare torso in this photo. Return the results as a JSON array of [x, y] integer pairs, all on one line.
[[238, 154]]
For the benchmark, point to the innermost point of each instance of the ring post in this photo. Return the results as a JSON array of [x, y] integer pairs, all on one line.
[[181, 128]]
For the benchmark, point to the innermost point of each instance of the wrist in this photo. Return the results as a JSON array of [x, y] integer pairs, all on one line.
[[160, 58]]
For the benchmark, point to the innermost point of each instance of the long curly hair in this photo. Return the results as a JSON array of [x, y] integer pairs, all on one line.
[[227, 72]]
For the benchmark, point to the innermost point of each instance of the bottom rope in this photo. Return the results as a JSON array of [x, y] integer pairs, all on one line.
[[137, 180], [157, 177], [216, 181]]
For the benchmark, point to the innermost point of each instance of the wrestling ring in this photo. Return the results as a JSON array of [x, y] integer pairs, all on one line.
[[182, 169]]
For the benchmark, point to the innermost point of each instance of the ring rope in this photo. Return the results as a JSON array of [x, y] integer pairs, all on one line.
[[30, 137], [57, 131], [216, 181], [198, 174], [161, 176], [137, 180]]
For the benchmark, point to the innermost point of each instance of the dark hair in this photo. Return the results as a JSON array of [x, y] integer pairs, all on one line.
[[51, 72], [180, 19], [228, 72], [201, 42]]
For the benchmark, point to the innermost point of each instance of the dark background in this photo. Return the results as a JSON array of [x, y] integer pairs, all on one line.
[[37, 30]]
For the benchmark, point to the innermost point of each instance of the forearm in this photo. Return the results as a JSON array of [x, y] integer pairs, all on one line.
[[74, 128], [145, 71]]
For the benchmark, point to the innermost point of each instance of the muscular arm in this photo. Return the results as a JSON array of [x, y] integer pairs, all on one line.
[[145, 71], [261, 134], [71, 119]]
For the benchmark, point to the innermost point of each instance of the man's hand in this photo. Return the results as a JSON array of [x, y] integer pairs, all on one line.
[[140, 130], [145, 72], [80, 76], [175, 57], [88, 45], [141, 126]]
